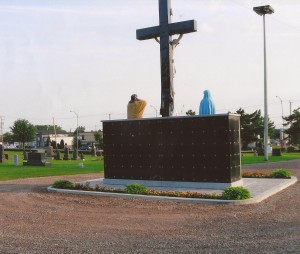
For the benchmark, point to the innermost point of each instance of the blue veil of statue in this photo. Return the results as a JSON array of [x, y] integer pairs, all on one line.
[[207, 106]]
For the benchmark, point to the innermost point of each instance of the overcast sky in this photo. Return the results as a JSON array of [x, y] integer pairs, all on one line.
[[82, 55]]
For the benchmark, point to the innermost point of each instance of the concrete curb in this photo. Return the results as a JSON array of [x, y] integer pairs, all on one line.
[[255, 199]]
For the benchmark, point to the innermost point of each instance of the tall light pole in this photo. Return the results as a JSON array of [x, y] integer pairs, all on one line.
[[262, 11], [282, 137], [76, 131]]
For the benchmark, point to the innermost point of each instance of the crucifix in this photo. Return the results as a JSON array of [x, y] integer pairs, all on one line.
[[165, 30]]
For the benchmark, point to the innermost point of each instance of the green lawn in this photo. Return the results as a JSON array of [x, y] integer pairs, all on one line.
[[8, 171], [249, 158]]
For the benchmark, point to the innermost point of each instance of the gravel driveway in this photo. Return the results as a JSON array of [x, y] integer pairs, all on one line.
[[35, 221]]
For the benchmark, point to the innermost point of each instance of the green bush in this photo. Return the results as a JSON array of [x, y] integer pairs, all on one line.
[[291, 149], [280, 173], [134, 188], [63, 184], [236, 193]]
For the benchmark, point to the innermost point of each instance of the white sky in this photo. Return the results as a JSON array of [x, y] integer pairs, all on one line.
[[58, 55]]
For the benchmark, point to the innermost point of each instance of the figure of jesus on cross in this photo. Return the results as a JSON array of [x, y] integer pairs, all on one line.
[[165, 30]]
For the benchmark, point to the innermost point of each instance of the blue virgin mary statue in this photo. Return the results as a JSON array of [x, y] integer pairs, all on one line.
[[207, 106]]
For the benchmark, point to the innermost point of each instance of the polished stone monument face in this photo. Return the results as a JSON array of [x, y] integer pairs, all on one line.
[[36, 159], [183, 149]]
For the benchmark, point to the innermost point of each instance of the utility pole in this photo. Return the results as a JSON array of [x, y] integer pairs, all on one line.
[[290, 107]]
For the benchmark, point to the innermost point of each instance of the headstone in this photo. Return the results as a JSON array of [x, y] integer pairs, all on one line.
[[2, 155], [57, 156], [36, 159], [80, 165], [276, 152], [49, 152], [67, 153], [164, 31], [25, 156], [16, 160], [94, 150], [81, 156], [75, 154]]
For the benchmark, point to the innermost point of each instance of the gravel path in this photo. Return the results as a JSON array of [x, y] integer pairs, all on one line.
[[35, 221]]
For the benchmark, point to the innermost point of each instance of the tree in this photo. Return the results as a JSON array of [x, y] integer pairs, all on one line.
[[293, 131], [80, 130], [23, 131], [190, 113], [99, 138], [47, 128], [8, 137], [252, 128]]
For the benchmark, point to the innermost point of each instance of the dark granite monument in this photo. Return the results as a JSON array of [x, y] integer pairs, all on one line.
[[3, 158], [67, 154], [36, 159], [182, 149]]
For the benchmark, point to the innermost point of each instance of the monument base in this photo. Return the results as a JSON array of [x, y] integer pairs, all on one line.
[[174, 184]]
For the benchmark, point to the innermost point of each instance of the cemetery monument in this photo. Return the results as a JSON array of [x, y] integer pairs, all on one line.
[[194, 151]]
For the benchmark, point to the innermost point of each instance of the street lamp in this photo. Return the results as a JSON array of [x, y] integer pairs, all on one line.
[[282, 140], [262, 11], [154, 109], [76, 132]]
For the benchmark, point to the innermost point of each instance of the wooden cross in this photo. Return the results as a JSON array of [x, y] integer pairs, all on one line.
[[165, 30]]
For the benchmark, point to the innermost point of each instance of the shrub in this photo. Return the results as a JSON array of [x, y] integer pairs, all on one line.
[[236, 193], [135, 188], [291, 149], [255, 174], [63, 184], [280, 173]]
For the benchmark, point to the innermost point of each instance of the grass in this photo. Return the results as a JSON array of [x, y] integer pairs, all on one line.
[[249, 158], [9, 172]]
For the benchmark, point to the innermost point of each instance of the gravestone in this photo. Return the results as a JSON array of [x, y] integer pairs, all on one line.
[[25, 156], [197, 149], [75, 155], [2, 155], [57, 156], [16, 160], [81, 156], [49, 153], [67, 154], [164, 31], [36, 159], [94, 150]]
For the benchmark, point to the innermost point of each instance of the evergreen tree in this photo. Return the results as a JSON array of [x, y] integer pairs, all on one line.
[[99, 138], [252, 128], [190, 113], [294, 130]]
